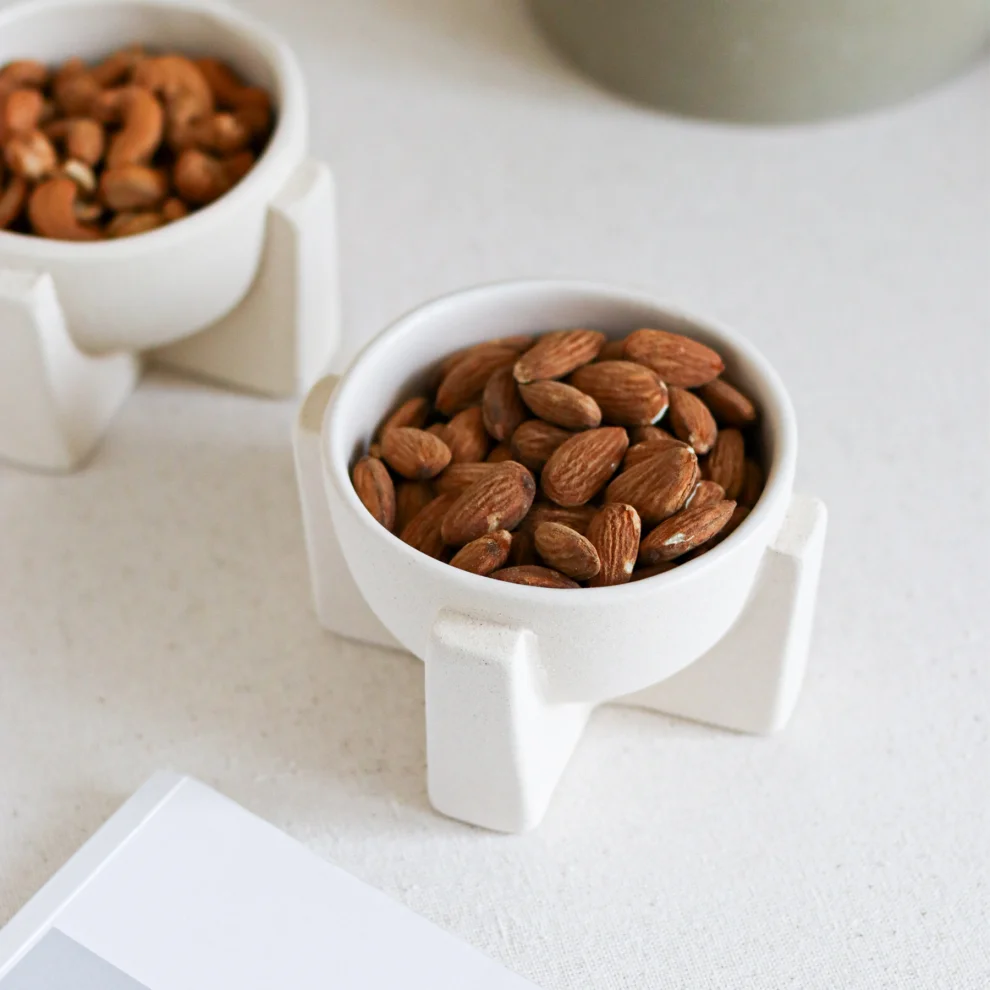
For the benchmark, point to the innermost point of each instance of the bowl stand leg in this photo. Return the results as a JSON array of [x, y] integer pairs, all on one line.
[[750, 680], [281, 335], [55, 401], [496, 746], [340, 606]]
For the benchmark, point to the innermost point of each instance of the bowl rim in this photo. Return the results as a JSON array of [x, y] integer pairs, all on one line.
[[336, 466], [291, 114]]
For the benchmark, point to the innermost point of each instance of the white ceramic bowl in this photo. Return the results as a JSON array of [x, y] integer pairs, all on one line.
[[155, 288], [594, 643]]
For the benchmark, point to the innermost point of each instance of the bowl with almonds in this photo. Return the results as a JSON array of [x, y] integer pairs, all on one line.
[[564, 457], [141, 143]]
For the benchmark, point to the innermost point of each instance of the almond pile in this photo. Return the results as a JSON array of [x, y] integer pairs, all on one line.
[[539, 461]]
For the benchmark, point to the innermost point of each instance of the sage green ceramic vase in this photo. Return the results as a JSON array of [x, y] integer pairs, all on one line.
[[768, 60]]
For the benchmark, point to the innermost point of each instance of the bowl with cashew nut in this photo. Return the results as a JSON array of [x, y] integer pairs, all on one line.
[[141, 143]]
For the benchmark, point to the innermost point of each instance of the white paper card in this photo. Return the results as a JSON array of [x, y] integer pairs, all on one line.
[[184, 890]]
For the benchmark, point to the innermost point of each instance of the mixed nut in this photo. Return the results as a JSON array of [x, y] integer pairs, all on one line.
[[540, 461], [121, 147]]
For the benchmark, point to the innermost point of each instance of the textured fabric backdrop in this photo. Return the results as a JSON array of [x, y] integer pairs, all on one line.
[[154, 609]]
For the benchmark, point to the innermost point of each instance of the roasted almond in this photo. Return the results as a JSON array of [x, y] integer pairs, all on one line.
[[467, 437], [705, 493], [534, 441], [472, 494], [627, 393], [726, 464], [423, 531], [459, 477], [612, 350], [653, 434], [727, 404], [659, 486], [577, 517], [684, 531], [643, 451], [500, 500], [413, 412], [691, 421], [415, 454], [739, 513], [560, 404], [410, 498], [535, 577], [557, 354], [678, 360], [374, 487], [566, 550], [466, 380], [642, 573], [485, 554], [517, 343], [523, 549], [502, 405], [580, 466], [752, 485], [500, 452], [614, 532]]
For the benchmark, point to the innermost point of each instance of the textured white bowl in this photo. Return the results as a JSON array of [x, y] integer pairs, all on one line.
[[141, 292], [594, 644]]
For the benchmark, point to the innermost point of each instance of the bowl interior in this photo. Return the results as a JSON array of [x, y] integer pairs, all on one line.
[[403, 361], [54, 32]]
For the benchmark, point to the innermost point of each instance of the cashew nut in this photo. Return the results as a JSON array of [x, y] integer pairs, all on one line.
[[174, 209], [20, 111], [231, 93], [81, 174], [88, 212], [52, 210], [237, 166], [143, 122], [84, 138], [252, 105], [25, 72], [127, 224], [180, 84], [30, 156], [114, 69], [74, 88], [196, 120], [222, 133], [73, 66], [199, 178], [12, 199], [133, 187]]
